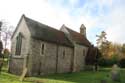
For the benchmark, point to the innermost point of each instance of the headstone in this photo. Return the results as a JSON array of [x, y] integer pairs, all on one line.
[[23, 74], [115, 73]]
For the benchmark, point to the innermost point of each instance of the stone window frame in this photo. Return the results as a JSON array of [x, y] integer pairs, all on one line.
[[19, 39], [63, 54], [42, 49]]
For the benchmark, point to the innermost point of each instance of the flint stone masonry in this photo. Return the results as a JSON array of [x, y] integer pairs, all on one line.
[[22, 28], [79, 56], [47, 62], [16, 65]]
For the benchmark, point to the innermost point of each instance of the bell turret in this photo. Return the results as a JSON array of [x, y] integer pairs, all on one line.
[[83, 30]]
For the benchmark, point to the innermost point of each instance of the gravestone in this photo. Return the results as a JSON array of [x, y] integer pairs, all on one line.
[[23, 74], [115, 73]]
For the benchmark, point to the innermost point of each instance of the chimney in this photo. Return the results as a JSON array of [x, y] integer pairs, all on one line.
[[83, 30]]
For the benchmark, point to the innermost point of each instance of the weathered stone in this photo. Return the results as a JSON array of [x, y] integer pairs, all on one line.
[[53, 60], [80, 53], [42, 57], [23, 74], [115, 73], [16, 65]]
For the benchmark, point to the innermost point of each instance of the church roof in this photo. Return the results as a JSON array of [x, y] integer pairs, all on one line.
[[78, 38], [46, 33]]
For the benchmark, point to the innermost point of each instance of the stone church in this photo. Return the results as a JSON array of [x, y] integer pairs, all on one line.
[[45, 50]]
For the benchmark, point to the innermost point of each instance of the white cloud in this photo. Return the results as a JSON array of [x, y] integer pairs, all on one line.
[[116, 30], [113, 22], [55, 14]]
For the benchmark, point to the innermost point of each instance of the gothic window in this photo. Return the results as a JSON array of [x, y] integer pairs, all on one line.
[[63, 54], [42, 49], [18, 44]]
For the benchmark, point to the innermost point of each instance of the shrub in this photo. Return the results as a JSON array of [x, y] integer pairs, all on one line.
[[6, 53], [107, 62], [102, 62], [122, 63]]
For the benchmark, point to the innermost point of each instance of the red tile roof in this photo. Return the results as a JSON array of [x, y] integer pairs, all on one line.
[[79, 38]]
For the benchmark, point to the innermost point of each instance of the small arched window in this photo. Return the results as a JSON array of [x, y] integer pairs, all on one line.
[[63, 54], [42, 49], [18, 44]]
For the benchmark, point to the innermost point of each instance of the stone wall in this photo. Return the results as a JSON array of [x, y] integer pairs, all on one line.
[[55, 59], [45, 63], [80, 53], [16, 63], [22, 27], [52, 61], [65, 55]]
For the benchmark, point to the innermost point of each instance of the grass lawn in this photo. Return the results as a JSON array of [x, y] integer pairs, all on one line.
[[81, 77]]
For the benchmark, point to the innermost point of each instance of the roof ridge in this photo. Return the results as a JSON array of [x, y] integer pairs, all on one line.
[[73, 30], [78, 37], [46, 33], [76, 32], [50, 27]]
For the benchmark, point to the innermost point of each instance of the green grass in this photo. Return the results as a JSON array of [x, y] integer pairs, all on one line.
[[81, 77]]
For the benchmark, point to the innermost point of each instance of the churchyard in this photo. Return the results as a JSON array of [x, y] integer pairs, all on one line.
[[80, 77], [46, 61]]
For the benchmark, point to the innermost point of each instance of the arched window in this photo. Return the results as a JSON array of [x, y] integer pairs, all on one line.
[[18, 44], [42, 49], [63, 54]]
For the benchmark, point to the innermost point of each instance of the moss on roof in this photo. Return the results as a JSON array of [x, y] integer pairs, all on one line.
[[46, 33]]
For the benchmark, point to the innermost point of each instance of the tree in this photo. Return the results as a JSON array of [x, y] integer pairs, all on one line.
[[0, 29], [1, 55], [6, 33], [101, 39], [103, 43], [1, 44], [123, 50], [112, 53], [1, 48]]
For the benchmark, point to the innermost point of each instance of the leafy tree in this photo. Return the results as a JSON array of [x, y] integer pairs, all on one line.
[[122, 63], [5, 35], [123, 48], [112, 53], [103, 43]]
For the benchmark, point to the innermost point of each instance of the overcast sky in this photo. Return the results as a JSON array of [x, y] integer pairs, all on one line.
[[96, 15]]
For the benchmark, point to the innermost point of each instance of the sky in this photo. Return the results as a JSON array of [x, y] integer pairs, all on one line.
[[96, 15]]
